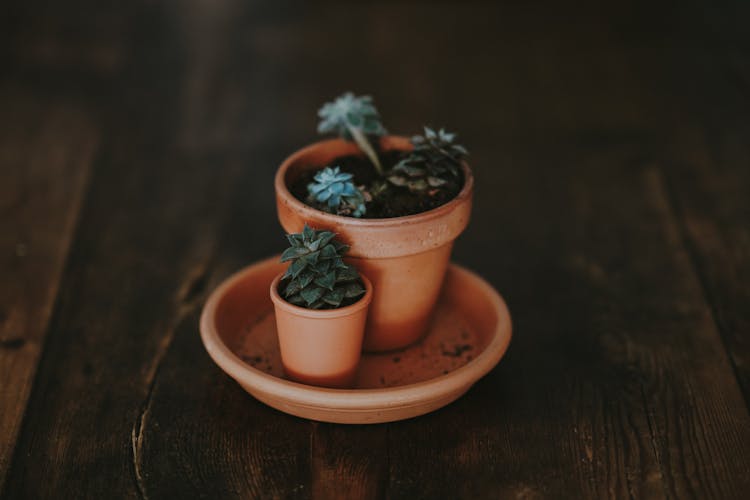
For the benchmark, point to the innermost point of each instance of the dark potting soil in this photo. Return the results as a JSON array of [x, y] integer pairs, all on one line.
[[394, 202]]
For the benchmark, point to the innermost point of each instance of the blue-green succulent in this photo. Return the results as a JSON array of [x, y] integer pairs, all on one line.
[[434, 162], [353, 118], [336, 191], [317, 276]]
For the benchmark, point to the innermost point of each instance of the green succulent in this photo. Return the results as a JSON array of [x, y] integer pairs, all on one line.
[[434, 162], [317, 276], [353, 118], [337, 192]]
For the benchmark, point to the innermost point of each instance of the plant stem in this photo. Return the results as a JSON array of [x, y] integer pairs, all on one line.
[[366, 148]]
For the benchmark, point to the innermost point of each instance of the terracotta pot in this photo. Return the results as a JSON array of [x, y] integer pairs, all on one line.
[[321, 347], [405, 257]]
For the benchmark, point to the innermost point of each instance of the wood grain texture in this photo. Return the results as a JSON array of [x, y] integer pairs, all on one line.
[[710, 193], [610, 212], [253, 451], [152, 221], [349, 462], [709, 176], [46, 152], [108, 336]]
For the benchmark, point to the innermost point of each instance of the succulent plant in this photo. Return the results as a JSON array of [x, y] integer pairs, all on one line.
[[318, 277], [337, 192], [353, 118], [433, 163]]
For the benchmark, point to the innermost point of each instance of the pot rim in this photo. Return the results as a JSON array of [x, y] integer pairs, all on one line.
[[339, 312], [388, 143]]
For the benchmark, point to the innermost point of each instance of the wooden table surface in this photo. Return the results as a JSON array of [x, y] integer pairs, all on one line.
[[611, 144]]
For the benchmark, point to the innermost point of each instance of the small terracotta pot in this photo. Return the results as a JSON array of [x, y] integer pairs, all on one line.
[[321, 347], [405, 257]]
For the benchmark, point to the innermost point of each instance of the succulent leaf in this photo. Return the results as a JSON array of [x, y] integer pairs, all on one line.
[[293, 240], [434, 162], [334, 297], [324, 266], [317, 276], [292, 288], [307, 234], [326, 237], [346, 111], [297, 300], [311, 294], [353, 118], [347, 274], [340, 247], [292, 253], [305, 279], [311, 257], [329, 252], [327, 280], [337, 193], [297, 267], [353, 290], [339, 263]]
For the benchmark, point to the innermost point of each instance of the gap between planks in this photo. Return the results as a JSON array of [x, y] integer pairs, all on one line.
[[189, 296]]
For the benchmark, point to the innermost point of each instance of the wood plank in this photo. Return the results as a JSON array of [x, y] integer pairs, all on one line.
[[123, 282], [616, 384], [349, 462], [709, 177], [711, 190], [149, 236], [46, 154], [197, 422], [200, 435]]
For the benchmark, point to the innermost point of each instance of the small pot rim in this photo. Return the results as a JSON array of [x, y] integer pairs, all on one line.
[[388, 143], [339, 312]]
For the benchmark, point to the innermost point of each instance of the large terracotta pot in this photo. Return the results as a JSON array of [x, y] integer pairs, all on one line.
[[404, 257], [321, 347]]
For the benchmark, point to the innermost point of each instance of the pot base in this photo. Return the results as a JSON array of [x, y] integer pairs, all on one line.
[[468, 335]]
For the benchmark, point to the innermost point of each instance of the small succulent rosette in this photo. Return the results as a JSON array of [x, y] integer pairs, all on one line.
[[336, 193], [434, 162]]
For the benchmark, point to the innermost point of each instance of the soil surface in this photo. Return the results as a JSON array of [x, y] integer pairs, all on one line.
[[395, 201]]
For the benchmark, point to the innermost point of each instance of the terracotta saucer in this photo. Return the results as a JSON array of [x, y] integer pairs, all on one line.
[[469, 334]]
